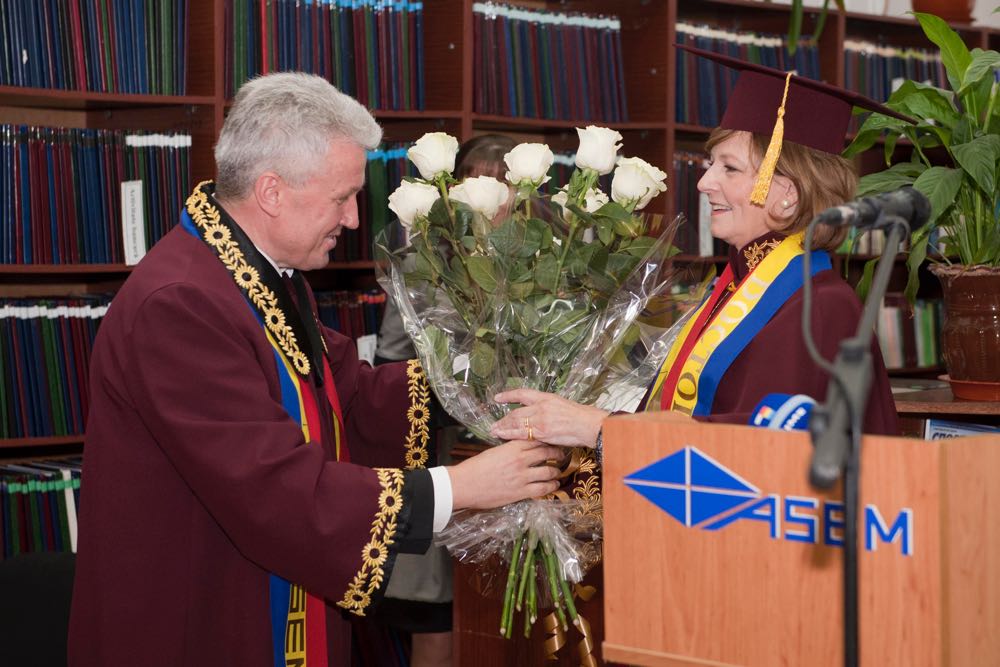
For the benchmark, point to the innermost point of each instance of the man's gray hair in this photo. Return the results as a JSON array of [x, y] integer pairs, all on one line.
[[284, 123]]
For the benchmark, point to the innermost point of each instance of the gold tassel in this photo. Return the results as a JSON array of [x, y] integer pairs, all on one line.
[[766, 172]]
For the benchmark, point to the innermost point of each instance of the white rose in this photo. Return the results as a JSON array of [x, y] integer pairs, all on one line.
[[598, 149], [528, 164], [411, 200], [636, 180], [434, 153], [484, 194], [593, 200]]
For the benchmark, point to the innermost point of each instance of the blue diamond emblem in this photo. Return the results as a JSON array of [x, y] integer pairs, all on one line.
[[691, 486]]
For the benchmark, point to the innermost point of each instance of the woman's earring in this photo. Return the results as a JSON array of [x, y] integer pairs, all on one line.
[[785, 203]]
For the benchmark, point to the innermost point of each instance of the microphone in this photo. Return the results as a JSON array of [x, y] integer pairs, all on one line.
[[880, 211], [783, 412]]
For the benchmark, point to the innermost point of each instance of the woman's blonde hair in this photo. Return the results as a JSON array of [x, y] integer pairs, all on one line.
[[821, 179]]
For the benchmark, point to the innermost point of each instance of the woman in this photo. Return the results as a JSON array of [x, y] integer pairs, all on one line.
[[774, 165]]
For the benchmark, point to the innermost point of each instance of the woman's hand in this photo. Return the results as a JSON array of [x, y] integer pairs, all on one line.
[[548, 418]]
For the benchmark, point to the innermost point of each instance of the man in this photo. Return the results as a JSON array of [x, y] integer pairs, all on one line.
[[227, 516]]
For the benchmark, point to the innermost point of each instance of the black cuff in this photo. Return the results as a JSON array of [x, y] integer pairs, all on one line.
[[416, 520]]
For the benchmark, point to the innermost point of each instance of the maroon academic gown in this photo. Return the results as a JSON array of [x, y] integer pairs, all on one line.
[[198, 485], [776, 359]]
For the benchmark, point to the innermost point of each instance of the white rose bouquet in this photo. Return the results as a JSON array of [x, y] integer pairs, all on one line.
[[500, 288]]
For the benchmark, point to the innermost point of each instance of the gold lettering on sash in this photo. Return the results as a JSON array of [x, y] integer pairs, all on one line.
[[741, 309], [295, 627]]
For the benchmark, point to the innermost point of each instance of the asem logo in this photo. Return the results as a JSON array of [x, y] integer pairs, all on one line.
[[700, 492]]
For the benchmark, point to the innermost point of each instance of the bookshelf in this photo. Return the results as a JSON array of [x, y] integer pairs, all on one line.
[[651, 131]]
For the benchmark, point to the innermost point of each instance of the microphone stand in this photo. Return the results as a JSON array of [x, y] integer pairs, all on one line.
[[836, 426]]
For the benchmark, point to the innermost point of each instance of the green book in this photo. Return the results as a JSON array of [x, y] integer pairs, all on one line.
[[107, 47], [51, 360]]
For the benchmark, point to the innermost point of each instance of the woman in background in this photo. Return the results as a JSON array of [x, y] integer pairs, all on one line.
[[418, 597]]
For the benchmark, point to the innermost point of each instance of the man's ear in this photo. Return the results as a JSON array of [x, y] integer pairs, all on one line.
[[267, 191]]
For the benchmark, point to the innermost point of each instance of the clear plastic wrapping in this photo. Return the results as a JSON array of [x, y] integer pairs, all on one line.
[[532, 302]]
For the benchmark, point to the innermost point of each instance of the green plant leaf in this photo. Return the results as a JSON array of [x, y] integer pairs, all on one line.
[[983, 63], [955, 54], [482, 271], [865, 284], [794, 27], [928, 103], [979, 159], [871, 130], [916, 257], [896, 176], [941, 185]]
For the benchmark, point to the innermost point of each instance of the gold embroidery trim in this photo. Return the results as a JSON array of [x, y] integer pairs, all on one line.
[[419, 415], [207, 218], [587, 487], [374, 554], [758, 251]]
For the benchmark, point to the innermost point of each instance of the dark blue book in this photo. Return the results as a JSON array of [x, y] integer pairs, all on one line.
[[417, 9], [53, 221], [139, 27], [24, 169]]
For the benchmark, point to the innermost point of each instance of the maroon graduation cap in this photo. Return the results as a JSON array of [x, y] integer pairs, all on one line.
[[788, 107]]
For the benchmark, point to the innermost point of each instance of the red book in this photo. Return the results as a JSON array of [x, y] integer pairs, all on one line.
[[80, 61], [594, 92]]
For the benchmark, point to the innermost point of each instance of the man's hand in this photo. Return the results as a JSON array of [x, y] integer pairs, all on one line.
[[504, 474]]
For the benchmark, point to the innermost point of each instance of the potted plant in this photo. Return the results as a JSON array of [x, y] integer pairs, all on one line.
[[955, 156]]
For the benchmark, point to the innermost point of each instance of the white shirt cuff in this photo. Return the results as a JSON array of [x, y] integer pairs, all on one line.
[[442, 497]]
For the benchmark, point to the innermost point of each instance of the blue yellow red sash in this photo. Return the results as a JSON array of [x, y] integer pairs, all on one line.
[[710, 342], [298, 619]]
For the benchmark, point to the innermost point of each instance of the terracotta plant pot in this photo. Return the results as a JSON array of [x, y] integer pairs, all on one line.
[[970, 336], [952, 11]]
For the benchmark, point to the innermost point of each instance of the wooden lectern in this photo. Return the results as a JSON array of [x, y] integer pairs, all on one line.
[[718, 552]]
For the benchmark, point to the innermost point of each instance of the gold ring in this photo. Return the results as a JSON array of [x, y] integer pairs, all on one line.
[[527, 425]]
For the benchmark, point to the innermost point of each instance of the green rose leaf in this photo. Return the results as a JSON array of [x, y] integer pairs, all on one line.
[[482, 360], [979, 159], [463, 219], [615, 211], [482, 271], [641, 246], [940, 184], [537, 236], [546, 273], [605, 231], [520, 291], [508, 238]]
